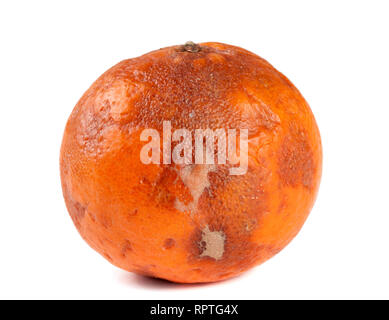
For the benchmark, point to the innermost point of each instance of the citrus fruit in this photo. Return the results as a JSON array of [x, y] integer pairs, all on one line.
[[145, 203]]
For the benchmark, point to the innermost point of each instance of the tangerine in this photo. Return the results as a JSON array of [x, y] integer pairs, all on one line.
[[188, 222]]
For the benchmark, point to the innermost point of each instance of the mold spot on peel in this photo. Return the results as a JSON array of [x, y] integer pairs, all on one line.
[[195, 178], [295, 159], [212, 243], [169, 243]]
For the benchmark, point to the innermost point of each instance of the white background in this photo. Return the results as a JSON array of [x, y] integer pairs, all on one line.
[[335, 52]]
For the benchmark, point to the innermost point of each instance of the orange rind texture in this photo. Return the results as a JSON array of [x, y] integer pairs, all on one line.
[[190, 223]]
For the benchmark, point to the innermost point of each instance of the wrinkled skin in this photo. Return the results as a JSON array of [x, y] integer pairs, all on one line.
[[190, 223]]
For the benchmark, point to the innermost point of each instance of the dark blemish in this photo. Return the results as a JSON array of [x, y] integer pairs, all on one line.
[[169, 243], [127, 246], [295, 159], [75, 208], [79, 210], [163, 192], [107, 256], [92, 216], [195, 247], [106, 222]]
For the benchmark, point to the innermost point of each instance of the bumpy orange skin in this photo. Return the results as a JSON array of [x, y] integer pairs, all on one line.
[[127, 210]]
